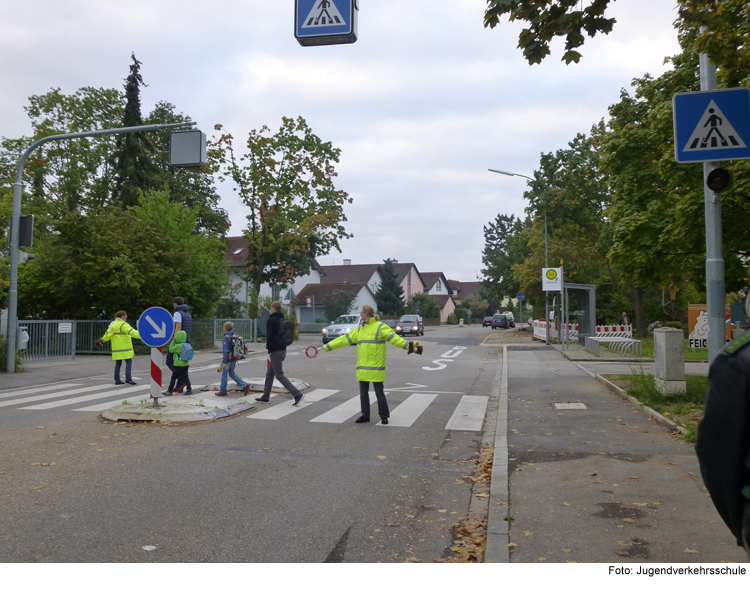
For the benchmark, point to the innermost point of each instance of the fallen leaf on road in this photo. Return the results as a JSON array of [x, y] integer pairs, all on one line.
[[382, 457], [442, 510], [567, 550], [529, 533], [629, 520], [690, 551]]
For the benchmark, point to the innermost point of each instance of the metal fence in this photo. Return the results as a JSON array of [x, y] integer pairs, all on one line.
[[48, 339], [62, 339]]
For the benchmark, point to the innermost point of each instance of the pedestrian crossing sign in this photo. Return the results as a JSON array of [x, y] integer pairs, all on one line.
[[325, 22], [712, 125]]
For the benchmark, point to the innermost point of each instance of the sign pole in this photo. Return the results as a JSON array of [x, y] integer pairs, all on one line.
[[715, 285], [156, 374]]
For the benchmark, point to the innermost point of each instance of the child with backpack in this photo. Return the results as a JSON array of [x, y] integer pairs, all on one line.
[[182, 353], [230, 355], [279, 335]]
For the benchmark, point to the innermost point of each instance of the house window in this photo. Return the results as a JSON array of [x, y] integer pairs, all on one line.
[[437, 286]]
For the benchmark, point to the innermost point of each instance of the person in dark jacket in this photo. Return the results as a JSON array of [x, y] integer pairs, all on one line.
[[276, 356], [228, 364], [723, 444]]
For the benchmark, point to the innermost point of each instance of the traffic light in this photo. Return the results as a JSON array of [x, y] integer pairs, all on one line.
[[718, 179]]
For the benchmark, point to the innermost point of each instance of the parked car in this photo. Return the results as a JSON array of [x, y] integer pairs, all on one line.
[[511, 319], [487, 321], [410, 324], [500, 321], [342, 325]]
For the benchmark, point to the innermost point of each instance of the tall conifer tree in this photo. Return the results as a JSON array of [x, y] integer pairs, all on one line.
[[389, 296], [132, 159]]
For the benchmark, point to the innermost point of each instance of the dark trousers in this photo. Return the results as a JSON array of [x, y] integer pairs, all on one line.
[[276, 370], [364, 398], [128, 370], [180, 378], [179, 375]]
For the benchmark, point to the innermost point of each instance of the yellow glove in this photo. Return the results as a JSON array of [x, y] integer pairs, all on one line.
[[99, 342], [414, 347]]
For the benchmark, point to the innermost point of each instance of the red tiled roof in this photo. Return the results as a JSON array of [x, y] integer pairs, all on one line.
[[321, 290], [348, 273]]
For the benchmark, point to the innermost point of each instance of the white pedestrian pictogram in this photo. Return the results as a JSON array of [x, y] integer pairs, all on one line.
[[713, 132], [323, 14]]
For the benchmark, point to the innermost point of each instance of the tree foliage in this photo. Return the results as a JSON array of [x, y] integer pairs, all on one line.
[[504, 248], [725, 40], [286, 179], [390, 295], [339, 302], [428, 308]]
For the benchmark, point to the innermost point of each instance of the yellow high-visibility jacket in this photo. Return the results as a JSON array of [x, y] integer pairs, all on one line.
[[370, 340], [122, 335]]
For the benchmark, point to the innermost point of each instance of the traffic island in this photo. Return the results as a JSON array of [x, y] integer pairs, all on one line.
[[203, 405]]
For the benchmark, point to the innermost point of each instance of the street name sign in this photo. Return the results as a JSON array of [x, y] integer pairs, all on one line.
[[156, 327], [325, 22], [712, 125]]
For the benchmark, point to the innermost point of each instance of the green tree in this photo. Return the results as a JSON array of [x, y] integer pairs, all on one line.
[[339, 302], [134, 170], [503, 249], [427, 306], [295, 211], [89, 266], [390, 295], [479, 306], [725, 41]]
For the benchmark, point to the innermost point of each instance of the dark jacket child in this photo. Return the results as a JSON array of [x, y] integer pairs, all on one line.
[[181, 367]]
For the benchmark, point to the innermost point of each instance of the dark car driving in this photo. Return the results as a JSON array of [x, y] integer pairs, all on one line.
[[500, 321], [410, 324], [487, 321]]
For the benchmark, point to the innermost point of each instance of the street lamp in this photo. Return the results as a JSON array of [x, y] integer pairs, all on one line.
[[546, 261]]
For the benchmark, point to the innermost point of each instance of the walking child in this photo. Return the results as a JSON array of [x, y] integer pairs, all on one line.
[[228, 364], [180, 363]]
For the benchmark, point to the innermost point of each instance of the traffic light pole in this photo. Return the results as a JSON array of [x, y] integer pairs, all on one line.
[[15, 221]]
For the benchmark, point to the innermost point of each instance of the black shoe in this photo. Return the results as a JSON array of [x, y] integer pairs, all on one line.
[[261, 400], [167, 393], [119, 383], [384, 421], [362, 420], [298, 399], [131, 382], [188, 393]]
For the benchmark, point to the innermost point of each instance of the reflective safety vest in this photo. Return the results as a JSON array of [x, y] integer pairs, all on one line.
[[121, 334], [370, 340]]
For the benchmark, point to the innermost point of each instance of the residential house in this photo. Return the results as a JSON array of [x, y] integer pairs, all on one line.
[[311, 306], [438, 287], [371, 275], [236, 255], [409, 278]]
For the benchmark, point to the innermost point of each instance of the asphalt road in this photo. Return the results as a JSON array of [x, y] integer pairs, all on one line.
[[294, 488]]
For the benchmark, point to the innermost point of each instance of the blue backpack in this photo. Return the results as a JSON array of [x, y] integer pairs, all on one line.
[[187, 352]]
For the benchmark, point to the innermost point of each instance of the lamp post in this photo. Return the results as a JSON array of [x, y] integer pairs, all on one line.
[[546, 262]]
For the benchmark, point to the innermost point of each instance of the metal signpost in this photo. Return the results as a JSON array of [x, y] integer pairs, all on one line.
[[710, 126], [156, 328], [325, 22]]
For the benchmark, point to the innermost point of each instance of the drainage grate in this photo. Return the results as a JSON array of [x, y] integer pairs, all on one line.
[[570, 406]]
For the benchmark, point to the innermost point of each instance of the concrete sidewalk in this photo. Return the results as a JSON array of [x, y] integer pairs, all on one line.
[[590, 477]]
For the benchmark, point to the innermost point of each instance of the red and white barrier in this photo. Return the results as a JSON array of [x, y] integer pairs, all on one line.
[[156, 373], [540, 330]]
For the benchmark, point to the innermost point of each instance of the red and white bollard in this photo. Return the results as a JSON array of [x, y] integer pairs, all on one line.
[[156, 357]]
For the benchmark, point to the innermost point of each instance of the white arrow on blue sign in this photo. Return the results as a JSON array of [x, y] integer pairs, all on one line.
[[156, 327], [712, 125], [325, 22], [520, 297]]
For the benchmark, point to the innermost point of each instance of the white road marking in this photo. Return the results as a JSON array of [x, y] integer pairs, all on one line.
[[409, 410], [469, 414], [286, 408]]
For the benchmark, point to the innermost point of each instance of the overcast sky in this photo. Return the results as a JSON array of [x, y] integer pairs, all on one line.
[[421, 105]]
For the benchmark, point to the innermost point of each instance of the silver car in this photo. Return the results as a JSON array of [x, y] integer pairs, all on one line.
[[342, 325]]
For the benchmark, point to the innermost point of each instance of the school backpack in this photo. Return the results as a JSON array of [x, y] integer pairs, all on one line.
[[239, 348], [286, 332], [187, 352]]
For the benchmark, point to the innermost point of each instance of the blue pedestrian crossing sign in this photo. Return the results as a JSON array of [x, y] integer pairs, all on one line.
[[156, 327], [712, 125], [325, 22]]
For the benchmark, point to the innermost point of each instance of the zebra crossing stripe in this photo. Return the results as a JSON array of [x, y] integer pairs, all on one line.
[[35, 390], [87, 398], [409, 410], [286, 408], [341, 413], [469, 414], [52, 395]]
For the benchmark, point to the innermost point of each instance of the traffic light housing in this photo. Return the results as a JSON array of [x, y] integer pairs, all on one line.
[[718, 179]]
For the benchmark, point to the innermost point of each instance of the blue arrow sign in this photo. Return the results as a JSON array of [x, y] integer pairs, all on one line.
[[156, 327], [712, 125], [520, 297], [325, 22]]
